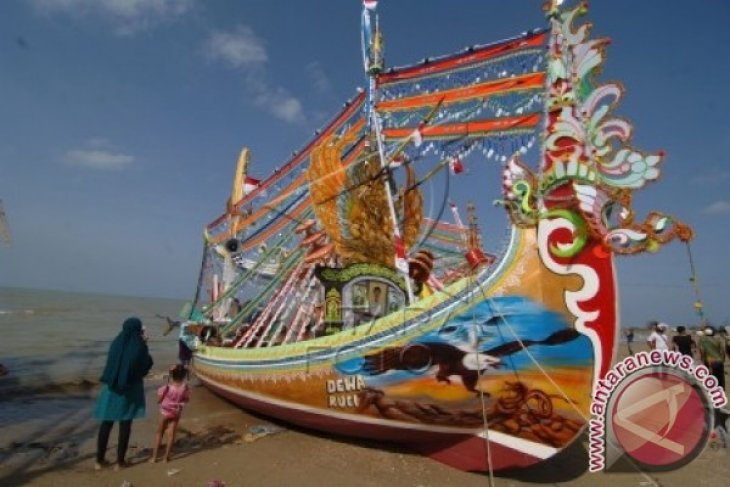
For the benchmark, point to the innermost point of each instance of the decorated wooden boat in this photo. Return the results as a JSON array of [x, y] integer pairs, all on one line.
[[328, 298]]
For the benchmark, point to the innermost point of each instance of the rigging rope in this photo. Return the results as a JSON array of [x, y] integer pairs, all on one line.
[[698, 305], [252, 271], [282, 313], [300, 322], [286, 266], [302, 289], [562, 393], [201, 278], [485, 418]]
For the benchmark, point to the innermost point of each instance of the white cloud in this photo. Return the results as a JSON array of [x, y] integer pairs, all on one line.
[[237, 49], [98, 154], [275, 100], [127, 16], [720, 207], [317, 77], [243, 50], [281, 105]]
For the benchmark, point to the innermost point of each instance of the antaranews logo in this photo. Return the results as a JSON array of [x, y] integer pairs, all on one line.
[[656, 407]]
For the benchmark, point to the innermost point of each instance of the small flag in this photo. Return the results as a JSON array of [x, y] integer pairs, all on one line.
[[417, 137], [250, 184], [215, 288], [456, 166], [397, 161], [457, 218], [401, 263]]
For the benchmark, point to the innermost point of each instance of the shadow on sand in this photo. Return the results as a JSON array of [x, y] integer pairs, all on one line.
[[62, 437]]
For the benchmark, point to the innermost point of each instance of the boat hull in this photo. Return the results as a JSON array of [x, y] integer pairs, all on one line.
[[467, 452], [546, 330]]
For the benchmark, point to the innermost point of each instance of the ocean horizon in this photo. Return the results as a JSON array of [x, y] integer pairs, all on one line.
[[53, 337]]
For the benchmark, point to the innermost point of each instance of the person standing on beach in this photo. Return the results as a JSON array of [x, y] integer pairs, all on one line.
[[658, 339], [185, 355], [712, 353], [630, 340], [171, 397], [682, 342], [725, 339], [122, 394]]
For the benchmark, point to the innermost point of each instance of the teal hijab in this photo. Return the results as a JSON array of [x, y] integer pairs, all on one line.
[[129, 359]]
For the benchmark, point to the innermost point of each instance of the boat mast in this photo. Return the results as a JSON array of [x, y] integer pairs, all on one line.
[[372, 47]]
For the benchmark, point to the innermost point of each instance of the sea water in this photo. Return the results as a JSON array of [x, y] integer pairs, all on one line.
[[50, 338]]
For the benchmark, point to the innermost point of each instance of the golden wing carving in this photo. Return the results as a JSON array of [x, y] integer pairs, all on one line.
[[327, 180], [412, 204], [352, 206]]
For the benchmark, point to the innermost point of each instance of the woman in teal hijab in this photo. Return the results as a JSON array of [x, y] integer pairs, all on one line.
[[122, 392]]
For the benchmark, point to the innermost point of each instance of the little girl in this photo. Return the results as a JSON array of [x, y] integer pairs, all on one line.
[[171, 398]]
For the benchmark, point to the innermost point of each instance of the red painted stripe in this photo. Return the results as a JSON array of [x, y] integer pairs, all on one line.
[[495, 87], [299, 158], [286, 192], [478, 55], [466, 128], [283, 221], [259, 213], [463, 451]]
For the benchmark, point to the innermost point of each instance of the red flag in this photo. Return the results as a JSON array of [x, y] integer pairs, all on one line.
[[250, 184], [398, 161], [417, 137], [456, 166], [400, 255]]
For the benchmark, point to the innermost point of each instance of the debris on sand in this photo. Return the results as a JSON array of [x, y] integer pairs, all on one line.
[[208, 438], [258, 431]]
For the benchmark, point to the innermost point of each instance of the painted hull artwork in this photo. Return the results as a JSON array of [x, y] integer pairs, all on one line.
[[378, 321], [444, 378]]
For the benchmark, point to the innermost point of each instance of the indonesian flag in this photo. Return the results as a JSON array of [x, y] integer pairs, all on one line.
[[455, 213], [401, 263], [250, 184], [370, 4], [398, 161], [456, 166], [417, 136]]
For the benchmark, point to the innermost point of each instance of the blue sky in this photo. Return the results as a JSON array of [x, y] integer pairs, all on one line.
[[121, 120]]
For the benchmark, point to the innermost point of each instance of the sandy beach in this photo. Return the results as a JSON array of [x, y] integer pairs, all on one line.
[[51, 442]]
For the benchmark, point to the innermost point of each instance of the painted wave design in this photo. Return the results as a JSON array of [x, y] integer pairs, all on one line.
[[521, 332]]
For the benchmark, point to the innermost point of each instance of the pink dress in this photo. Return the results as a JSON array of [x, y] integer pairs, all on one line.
[[171, 398]]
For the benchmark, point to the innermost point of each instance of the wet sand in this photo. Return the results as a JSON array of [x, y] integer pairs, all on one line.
[[49, 440]]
